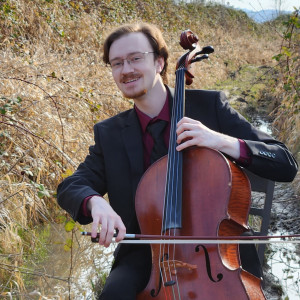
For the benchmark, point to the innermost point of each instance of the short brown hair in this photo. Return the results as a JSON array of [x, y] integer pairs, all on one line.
[[152, 33]]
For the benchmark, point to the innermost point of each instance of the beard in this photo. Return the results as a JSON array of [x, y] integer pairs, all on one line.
[[134, 93]]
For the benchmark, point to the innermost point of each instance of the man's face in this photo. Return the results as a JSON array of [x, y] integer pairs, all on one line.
[[138, 76]]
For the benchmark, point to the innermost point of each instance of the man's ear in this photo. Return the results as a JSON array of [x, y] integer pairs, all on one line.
[[160, 63]]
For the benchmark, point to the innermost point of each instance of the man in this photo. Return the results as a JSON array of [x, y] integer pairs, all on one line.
[[138, 57]]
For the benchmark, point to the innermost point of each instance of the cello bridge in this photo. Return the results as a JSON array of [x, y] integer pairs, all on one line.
[[172, 266]]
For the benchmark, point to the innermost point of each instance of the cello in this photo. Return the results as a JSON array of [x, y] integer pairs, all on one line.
[[194, 192]]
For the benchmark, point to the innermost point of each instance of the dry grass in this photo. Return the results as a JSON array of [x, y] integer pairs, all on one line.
[[54, 88], [44, 136], [287, 89]]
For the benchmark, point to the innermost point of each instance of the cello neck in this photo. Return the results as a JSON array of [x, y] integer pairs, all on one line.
[[172, 217]]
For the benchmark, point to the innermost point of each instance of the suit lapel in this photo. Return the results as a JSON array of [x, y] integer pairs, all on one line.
[[132, 139]]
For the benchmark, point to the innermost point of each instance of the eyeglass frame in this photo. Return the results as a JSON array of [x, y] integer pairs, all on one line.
[[128, 61]]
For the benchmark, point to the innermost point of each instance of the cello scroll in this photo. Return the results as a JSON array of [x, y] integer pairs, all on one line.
[[189, 41]]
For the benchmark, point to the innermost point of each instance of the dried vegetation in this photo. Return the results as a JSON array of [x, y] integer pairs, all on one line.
[[54, 87]]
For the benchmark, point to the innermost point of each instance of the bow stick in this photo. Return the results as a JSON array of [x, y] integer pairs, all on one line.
[[165, 239]]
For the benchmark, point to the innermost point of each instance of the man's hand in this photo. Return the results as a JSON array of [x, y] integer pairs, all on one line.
[[193, 133], [103, 214]]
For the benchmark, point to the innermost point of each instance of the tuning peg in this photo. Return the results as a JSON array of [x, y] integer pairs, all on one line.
[[205, 56], [206, 50]]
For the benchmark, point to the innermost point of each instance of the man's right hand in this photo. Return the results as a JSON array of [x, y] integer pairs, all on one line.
[[103, 214]]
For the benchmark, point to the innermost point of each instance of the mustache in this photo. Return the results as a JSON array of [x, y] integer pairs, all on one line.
[[131, 76]]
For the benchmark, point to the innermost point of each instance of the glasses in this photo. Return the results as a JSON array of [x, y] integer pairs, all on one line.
[[132, 59]]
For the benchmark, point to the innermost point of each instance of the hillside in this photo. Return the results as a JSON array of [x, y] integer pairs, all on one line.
[[54, 87], [266, 15]]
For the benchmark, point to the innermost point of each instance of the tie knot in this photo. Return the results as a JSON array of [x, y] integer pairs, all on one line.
[[156, 129]]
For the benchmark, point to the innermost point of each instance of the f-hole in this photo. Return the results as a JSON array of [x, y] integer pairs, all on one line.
[[208, 266]]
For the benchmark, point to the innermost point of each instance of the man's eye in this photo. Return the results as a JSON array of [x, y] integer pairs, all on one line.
[[136, 58], [116, 64]]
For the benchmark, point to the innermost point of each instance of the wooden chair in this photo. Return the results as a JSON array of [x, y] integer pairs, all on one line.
[[263, 199]]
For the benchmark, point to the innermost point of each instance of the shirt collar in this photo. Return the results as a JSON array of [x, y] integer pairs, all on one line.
[[163, 115]]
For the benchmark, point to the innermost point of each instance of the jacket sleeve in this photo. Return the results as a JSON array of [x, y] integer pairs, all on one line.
[[87, 180], [269, 158]]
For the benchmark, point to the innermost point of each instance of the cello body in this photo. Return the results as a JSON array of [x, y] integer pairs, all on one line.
[[216, 202]]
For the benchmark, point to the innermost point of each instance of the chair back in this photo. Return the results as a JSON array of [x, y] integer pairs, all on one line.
[[262, 197]]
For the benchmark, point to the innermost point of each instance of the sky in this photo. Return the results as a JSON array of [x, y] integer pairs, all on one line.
[[257, 5]]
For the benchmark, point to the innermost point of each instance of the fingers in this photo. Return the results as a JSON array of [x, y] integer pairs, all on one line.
[[104, 238], [188, 133], [105, 217], [121, 231], [185, 125], [185, 144], [193, 133], [186, 120], [95, 225], [108, 227]]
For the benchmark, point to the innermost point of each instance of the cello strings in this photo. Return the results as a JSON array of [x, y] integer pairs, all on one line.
[[171, 175], [178, 164], [166, 206], [170, 185], [173, 181], [175, 169]]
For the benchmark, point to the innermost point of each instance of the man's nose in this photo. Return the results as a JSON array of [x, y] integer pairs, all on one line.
[[127, 67]]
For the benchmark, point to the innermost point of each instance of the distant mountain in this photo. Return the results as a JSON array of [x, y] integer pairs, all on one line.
[[264, 15]]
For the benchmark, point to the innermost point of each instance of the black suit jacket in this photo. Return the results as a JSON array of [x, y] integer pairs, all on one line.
[[115, 163]]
